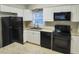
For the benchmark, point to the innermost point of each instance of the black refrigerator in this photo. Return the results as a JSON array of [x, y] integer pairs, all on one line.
[[12, 30]]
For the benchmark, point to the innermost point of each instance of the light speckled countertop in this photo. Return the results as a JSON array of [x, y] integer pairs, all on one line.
[[51, 29], [47, 29]]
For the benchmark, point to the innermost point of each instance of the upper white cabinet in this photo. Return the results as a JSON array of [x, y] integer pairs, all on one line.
[[9, 9], [5, 8], [25, 36], [61, 9], [75, 44], [75, 13], [47, 14], [27, 15], [74, 9], [19, 12]]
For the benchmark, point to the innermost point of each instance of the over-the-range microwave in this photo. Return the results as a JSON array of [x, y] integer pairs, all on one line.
[[62, 16]]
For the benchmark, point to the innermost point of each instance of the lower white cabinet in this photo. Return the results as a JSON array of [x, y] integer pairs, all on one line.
[[75, 44], [32, 36], [25, 36], [36, 37]]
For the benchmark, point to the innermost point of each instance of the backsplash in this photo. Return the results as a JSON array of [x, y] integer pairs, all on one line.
[[57, 23], [74, 25], [27, 24], [78, 28]]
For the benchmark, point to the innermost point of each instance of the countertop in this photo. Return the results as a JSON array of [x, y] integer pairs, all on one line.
[[50, 29], [46, 29]]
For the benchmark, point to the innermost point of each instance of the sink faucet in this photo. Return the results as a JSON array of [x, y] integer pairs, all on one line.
[[37, 26]]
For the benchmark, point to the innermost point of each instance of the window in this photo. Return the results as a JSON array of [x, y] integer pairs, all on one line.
[[38, 17]]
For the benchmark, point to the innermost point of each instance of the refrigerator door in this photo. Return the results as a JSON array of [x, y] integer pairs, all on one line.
[[18, 29], [12, 30], [6, 31]]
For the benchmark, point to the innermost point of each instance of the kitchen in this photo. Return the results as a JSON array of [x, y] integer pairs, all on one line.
[[39, 22]]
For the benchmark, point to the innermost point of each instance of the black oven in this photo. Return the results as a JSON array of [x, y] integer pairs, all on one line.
[[62, 16], [61, 38]]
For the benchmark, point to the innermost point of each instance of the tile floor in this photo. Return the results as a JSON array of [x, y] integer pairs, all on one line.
[[27, 48]]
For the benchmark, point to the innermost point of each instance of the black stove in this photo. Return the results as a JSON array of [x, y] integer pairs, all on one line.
[[61, 38]]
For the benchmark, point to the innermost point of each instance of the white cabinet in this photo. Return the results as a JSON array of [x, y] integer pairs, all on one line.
[[19, 12], [74, 9], [32, 36], [36, 36], [60, 9], [75, 44], [47, 14], [27, 15], [29, 36], [75, 13], [25, 36], [5, 8], [9, 9]]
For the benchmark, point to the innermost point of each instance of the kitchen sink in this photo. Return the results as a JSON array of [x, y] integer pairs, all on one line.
[[35, 28]]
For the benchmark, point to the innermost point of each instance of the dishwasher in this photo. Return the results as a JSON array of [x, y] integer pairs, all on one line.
[[45, 39]]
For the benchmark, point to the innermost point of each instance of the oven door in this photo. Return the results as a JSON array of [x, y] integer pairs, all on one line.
[[62, 42]]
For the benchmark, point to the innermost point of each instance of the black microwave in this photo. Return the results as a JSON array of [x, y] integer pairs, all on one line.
[[62, 16]]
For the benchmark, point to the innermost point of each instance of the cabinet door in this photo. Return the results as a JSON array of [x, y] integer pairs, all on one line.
[[19, 12], [36, 39], [75, 44], [27, 15], [60, 9], [30, 36], [47, 14], [75, 13], [25, 34], [5, 8], [9, 9]]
